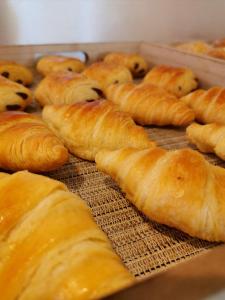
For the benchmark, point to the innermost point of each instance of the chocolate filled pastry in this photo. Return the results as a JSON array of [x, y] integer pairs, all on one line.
[[150, 105], [27, 144], [16, 72], [208, 138], [177, 188], [108, 73], [13, 96], [55, 63], [134, 62], [85, 128], [50, 246], [178, 81], [208, 105], [65, 88]]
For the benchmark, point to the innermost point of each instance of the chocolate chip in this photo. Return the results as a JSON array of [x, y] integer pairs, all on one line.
[[22, 95], [90, 100], [13, 107], [5, 74], [136, 66], [99, 92], [179, 88], [142, 71], [19, 81], [116, 81], [69, 69]]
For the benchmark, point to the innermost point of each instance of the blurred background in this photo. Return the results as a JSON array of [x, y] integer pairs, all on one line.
[[69, 21]]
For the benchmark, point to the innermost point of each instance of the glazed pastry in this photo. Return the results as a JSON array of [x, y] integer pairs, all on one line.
[[13, 96], [27, 143], [149, 104], [16, 72], [108, 73], [198, 47], [134, 62], [55, 63], [52, 245], [209, 106], [65, 88], [176, 188], [208, 138], [179, 81], [85, 128], [217, 53]]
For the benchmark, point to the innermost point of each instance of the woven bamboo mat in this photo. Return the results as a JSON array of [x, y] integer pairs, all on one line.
[[144, 246]]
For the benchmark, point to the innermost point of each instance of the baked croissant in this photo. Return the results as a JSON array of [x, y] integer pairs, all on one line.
[[199, 47], [134, 62], [55, 63], [209, 106], [65, 88], [16, 72], [13, 96], [85, 128], [179, 81], [108, 73], [208, 138], [149, 104], [51, 247], [27, 143], [176, 188]]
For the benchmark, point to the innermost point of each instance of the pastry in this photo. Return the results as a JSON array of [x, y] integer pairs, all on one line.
[[65, 88], [198, 47], [134, 62], [149, 104], [179, 81], [208, 138], [177, 188], [209, 106], [85, 128], [219, 43], [16, 72], [55, 63], [13, 96], [217, 53], [108, 73], [51, 247], [27, 143]]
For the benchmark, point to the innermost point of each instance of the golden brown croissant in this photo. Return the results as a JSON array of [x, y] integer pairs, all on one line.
[[209, 106], [179, 81], [108, 73], [149, 104], [27, 143], [65, 88], [16, 72], [199, 47], [208, 138], [176, 188], [134, 62], [51, 247], [85, 128], [13, 96], [55, 63]]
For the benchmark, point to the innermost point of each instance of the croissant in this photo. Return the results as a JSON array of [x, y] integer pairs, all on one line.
[[198, 47], [55, 63], [108, 73], [176, 188], [65, 88], [16, 72], [85, 128], [51, 248], [149, 104], [13, 96], [27, 143], [208, 138], [179, 81], [134, 62], [209, 106]]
